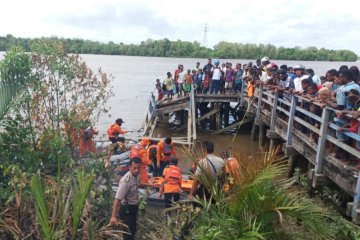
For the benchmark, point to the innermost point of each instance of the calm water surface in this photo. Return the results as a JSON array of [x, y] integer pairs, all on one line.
[[134, 79]]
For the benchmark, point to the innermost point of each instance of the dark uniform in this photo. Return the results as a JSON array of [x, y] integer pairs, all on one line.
[[127, 193]]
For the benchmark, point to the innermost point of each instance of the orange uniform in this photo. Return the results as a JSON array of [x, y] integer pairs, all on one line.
[[172, 179], [164, 152], [250, 89], [86, 141], [138, 150], [232, 169], [114, 130]]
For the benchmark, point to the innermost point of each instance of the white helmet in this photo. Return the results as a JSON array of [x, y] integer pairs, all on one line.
[[265, 59]]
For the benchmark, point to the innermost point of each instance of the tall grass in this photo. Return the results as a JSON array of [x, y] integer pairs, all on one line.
[[261, 205]]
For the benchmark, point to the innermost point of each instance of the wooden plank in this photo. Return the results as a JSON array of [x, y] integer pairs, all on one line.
[[172, 108], [349, 134], [189, 130], [286, 102], [242, 93], [259, 102], [218, 116], [153, 126], [282, 110], [309, 114], [319, 160], [246, 120], [344, 146], [207, 115], [291, 121], [193, 115], [273, 113], [307, 125]]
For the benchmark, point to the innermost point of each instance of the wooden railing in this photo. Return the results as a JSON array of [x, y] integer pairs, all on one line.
[[270, 106]]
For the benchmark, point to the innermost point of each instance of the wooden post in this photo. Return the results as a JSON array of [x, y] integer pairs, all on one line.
[[319, 160], [193, 117], [290, 123], [253, 131], [273, 113], [292, 164], [212, 125], [218, 116], [261, 135], [189, 121], [242, 92], [355, 206], [258, 108], [226, 114]]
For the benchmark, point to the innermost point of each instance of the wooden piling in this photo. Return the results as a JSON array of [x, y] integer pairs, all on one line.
[[226, 114], [261, 135], [253, 131]]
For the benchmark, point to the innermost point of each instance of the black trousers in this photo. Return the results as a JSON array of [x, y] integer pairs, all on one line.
[[115, 140], [128, 215], [161, 168], [171, 197]]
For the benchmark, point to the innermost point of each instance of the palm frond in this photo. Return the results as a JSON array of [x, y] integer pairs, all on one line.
[[41, 209]]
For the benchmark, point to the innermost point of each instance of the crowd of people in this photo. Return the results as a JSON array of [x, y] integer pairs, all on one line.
[[337, 88]]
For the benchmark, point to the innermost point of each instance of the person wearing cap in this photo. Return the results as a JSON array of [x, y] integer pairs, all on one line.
[[216, 73], [164, 151], [139, 150], [171, 186], [264, 62], [128, 199], [300, 75], [114, 130]]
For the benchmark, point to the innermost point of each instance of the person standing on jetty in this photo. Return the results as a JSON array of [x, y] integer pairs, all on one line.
[[128, 199]]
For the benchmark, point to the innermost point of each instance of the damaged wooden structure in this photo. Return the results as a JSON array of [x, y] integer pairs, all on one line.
[[280, 119]]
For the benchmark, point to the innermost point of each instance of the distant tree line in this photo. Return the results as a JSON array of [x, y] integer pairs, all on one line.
[[167, 48]]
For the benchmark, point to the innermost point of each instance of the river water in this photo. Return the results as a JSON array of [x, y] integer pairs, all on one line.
[[134, 79]]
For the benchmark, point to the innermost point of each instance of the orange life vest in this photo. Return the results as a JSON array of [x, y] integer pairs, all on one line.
[[110, 131], [173, 175], [137, 150]]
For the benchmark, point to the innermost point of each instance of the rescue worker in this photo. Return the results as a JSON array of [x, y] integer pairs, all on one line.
[[139, 150], [128, 199], [171, 186], [152, 156], [113, 132], [233, 176], [86, 142], [214, 167], [164, 151]]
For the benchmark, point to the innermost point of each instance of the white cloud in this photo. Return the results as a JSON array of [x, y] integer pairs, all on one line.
[[282, 23]]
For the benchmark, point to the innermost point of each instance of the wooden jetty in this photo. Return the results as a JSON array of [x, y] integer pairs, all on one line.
[[280, 120]]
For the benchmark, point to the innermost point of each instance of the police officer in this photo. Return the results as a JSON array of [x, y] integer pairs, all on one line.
[[127, 197]]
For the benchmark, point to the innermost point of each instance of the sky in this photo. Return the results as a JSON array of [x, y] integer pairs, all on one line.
[[304, 23]]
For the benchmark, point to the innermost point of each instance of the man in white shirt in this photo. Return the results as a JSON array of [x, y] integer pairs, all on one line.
[[300, 75]]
